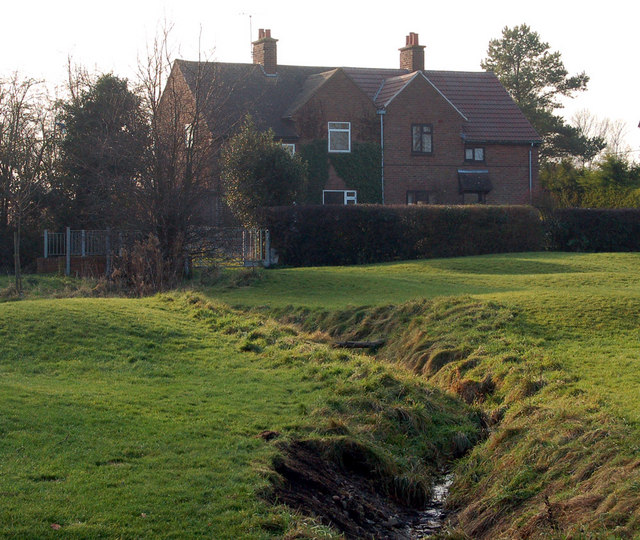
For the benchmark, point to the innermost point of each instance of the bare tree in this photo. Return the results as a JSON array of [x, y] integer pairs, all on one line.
[[27, 133], [611, 132], [616, 138], [188, 117]]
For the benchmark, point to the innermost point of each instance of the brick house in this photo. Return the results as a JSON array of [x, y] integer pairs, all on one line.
[[438, 137]]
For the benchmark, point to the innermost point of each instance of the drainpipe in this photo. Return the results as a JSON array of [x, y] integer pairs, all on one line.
[[530, 176], [381, 113]]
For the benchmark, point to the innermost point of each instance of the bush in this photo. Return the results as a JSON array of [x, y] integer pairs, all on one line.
[[142, 270], [335, 235], [594, 229]]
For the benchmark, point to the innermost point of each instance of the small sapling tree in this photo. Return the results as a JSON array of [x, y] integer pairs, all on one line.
[[258, 172]]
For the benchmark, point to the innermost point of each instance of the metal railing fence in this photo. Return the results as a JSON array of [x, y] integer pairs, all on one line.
[[229, 246], [208, 247]]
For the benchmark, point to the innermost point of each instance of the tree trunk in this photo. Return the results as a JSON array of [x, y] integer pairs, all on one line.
[[16, 260]]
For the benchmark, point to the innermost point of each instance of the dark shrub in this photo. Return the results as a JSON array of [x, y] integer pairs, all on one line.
[[594, 229]]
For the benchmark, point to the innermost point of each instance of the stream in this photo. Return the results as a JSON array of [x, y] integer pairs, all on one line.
[[431, 520]]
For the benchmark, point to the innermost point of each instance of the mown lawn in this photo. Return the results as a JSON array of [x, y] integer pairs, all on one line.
[[584, 309], [490, 276], [121, 418]]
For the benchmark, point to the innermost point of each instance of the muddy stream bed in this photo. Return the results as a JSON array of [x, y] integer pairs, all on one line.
[[349, 497]]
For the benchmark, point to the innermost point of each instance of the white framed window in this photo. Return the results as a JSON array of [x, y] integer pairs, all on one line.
[[339, 196], [339, 136], [188, 135], [474, 154], [289, 147]]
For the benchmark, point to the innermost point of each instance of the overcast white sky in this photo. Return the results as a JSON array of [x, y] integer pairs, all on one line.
[[600, 38]]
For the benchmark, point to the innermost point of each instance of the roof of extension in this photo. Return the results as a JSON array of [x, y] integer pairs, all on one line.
[[489, 112]]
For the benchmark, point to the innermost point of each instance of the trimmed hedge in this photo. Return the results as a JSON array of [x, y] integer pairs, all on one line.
[[337, 235], [594, 229]]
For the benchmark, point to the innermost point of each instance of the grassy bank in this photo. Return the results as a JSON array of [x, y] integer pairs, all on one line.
[[546, 344], [140, 418]]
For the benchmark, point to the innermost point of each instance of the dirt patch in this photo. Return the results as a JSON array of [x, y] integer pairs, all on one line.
[[345, 492]]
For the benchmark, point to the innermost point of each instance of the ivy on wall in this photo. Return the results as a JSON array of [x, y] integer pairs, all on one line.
[[360, 170], [315, 154]]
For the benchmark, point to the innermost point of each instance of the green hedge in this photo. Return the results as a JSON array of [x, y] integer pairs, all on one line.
[[336, 235], [594, 229]]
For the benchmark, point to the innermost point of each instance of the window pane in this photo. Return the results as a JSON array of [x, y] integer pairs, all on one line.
[[416, 139], [468, 154], [339, 125], [426, 142], [334, 197], [338, 141], [479, 154], [417, 197], [291, 148]]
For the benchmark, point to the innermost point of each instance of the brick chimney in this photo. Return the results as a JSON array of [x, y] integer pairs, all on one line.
[[265, 52], [412, 54]]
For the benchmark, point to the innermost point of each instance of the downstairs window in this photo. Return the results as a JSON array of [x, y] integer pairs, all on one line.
[[339, 196]]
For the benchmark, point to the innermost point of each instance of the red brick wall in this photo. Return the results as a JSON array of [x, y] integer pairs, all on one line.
[[80, 266], [508, 167], [420, 103]]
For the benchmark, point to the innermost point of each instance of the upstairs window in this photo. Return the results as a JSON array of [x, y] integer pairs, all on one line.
[[339, 136], [474, 154], [422, 139]]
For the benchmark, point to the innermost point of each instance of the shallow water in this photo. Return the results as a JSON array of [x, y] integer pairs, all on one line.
[[431, 520]]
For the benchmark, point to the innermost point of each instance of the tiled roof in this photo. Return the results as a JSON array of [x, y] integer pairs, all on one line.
[[311, 86], [492, 116], [390, 88], [370, 79], [238, 89]]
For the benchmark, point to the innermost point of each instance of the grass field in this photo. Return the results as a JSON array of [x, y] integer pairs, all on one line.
[[137, 417], [583, 308]]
